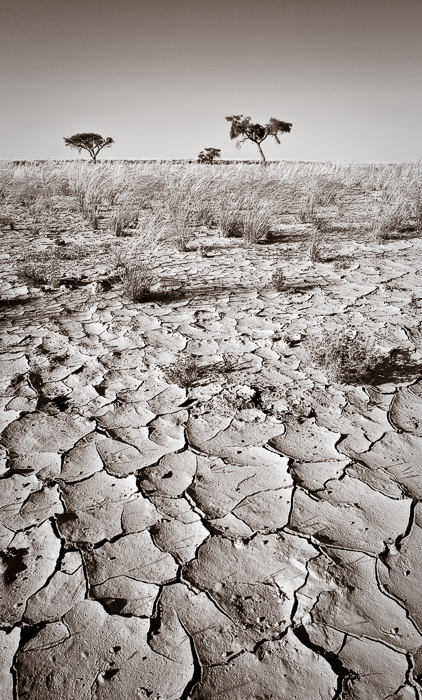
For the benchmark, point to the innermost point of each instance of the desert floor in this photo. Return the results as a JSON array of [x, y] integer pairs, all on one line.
[[234, 526]]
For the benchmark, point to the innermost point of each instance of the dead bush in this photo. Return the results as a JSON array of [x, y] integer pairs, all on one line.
[[185, 373], [279, 280], [344, 356], [137, 279], [123, 217], [39, 269]]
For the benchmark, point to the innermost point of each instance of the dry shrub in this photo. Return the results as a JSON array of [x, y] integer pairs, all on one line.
[[204, 249], [279, 280], [229, 214], [7, 221], [39, 269], [391, 217], [344, 355], [185, 373], [317, 238], [137, 279], [123, 217], [134, 264], [257, 223]]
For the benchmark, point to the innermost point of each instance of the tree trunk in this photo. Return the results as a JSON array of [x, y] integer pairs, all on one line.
[[264, 162]]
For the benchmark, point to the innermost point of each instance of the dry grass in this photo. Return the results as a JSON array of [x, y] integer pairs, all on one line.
[[279, 280], [185, 373], [345, 355], [38, 269], [244, 201]]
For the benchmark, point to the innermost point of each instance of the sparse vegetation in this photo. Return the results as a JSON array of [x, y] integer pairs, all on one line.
[[123, 217], [344, 355], [38, 269], [279, 280], [137, 278], [185, 373], [316, 241], [7, 221]]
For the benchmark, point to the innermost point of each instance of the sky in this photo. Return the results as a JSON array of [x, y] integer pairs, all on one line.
[[160, 76]]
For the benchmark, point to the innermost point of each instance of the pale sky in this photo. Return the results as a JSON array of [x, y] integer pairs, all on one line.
[[160, 76]]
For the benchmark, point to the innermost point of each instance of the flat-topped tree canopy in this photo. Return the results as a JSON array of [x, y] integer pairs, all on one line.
[[208, 155], [243, 130], [93, 143]]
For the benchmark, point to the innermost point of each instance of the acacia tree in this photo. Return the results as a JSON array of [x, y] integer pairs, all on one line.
[[93, 143], [208, 155], [242, 129]]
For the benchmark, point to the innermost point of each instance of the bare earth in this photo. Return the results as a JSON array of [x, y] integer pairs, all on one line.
[[252, 534]]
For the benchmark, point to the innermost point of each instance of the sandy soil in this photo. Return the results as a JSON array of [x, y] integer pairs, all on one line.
[[254, 534]]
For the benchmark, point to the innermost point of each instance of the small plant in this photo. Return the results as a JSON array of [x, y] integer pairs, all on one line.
[[315, 244], [121, 218], [137, 279], [229, 214], [393, 214], [279, 280], [231, 226], [208, 155], [7, 221], [415, 302], [204, 249], [344, 356], [39, 269], [256, 224], [341, 263], [92, 143], [185, 374]]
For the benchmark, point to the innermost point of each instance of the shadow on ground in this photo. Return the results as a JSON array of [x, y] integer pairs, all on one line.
[[398, 367]]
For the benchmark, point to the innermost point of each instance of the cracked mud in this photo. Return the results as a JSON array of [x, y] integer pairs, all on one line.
[[254, 535]]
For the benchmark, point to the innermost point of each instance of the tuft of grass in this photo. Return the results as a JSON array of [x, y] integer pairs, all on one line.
[[317, 239], [7, 221], [185, 373], [204, 249], [39, 269], [345, 356], [256, 224], [137, 278], [279, 280], [123, 217]]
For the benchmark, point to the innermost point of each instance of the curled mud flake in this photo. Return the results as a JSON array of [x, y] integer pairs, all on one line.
[[399, 455], [400, 572], [178, 538], [215, 636], [172, 476], [267, 510], [252, 581], [9, 643], [349, 599], [127, 596], [63, 590], [103, 507], [376, 671], [219, 486]]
